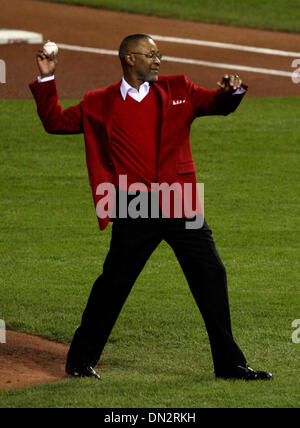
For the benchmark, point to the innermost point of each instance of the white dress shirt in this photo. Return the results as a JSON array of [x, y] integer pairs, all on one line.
[[137, 95], [45, 79]]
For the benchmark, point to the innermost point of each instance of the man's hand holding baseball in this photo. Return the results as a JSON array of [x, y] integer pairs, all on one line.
[[46, 63]]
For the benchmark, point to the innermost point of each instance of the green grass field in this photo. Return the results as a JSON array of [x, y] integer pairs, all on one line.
[[158, 354], [281, 15]]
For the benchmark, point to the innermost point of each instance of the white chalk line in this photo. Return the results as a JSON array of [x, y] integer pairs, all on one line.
[[229, 66], [185, 61], [231, 46]]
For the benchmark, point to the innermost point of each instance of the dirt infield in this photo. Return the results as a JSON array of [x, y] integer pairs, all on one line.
[[27, 360]]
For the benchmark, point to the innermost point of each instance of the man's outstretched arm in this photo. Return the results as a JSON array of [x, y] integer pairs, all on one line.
[[54, 118], [223, 101]]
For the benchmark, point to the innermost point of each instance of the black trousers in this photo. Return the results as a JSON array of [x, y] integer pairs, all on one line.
[[132, 243]]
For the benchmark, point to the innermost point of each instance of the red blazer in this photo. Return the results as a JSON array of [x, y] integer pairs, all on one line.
[[182, 101]]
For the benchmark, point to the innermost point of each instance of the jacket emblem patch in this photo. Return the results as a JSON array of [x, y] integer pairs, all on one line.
[[177, 102]]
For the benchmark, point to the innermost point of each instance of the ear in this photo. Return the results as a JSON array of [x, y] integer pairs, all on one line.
[[129, 59]]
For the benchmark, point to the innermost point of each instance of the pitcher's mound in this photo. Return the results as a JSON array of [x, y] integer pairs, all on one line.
[[27, 360]]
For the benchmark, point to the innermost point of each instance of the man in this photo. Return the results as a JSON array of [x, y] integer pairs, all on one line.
[[139, 128]]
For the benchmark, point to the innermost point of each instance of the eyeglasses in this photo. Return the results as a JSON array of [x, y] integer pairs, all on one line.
[[150, 55]]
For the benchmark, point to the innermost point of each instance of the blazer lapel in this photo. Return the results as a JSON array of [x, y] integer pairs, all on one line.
[[108, 105], [162, 87]]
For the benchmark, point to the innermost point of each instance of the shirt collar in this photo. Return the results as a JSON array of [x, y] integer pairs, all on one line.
[[125, 88]]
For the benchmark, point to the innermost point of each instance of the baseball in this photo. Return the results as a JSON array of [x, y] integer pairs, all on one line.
[[50, 48]]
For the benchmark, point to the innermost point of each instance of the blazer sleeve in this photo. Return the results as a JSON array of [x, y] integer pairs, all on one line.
[[55, 119], [212, 102]]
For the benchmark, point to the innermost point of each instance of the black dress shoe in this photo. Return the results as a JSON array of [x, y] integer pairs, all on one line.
[[84, 371], [246, 373]]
